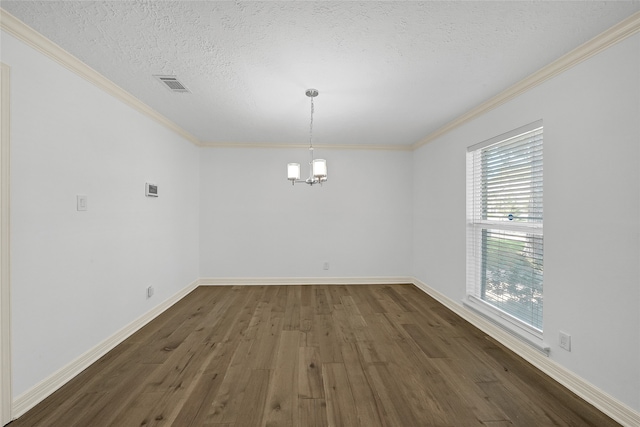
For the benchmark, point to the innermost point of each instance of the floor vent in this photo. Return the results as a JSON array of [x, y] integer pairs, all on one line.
[[172, 83]]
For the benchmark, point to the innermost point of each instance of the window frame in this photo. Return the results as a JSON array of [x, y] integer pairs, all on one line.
[[475, 227]]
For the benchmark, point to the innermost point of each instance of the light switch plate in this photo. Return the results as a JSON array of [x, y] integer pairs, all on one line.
[[81, 202]]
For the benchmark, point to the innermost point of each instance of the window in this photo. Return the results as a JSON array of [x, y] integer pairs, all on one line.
[[504, 227]]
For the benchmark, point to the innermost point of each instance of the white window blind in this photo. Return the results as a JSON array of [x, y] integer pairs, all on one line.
[[505, 224]]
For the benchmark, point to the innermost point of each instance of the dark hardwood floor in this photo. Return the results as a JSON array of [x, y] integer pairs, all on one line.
[[379, 355]]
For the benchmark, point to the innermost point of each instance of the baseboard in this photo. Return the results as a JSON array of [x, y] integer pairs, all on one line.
[[47, 386], [253, 281], [598, 398], [609, 405]]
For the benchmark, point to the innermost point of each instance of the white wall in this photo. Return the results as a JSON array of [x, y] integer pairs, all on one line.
[[78, 277], [254, 223], [592, 213]]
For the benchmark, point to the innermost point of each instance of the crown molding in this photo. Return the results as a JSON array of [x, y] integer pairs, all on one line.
[[28, 35], [322, 146], [613, 35]]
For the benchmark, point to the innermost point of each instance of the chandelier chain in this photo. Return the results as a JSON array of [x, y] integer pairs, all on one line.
[[311, 126]]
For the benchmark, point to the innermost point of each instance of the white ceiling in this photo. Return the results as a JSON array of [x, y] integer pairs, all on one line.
[[389, 73]]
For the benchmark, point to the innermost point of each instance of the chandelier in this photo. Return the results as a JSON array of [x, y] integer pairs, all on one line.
[[317, 167]]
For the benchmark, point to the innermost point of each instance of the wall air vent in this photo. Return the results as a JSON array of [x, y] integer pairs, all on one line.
[[172, 83]]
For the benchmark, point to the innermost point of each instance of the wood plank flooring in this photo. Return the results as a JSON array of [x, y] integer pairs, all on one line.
[[378, 355]]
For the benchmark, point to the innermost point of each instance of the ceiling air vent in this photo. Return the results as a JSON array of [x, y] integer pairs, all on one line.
[[172, 83]]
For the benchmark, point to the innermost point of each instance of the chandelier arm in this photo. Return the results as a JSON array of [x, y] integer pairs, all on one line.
[[310, 181]]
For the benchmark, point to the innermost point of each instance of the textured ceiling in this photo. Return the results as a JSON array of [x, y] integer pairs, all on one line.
[[389, 73]]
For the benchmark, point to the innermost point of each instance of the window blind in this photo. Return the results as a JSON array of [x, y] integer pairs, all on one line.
[[505, 217]]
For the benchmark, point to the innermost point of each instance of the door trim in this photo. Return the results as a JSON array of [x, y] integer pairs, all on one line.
[[6, 400]]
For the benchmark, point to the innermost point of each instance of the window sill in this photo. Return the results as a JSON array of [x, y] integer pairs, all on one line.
[[524, 332]]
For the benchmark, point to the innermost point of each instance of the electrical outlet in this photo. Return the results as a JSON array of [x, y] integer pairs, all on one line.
[[565, 341], [149, 292], [325, 266]]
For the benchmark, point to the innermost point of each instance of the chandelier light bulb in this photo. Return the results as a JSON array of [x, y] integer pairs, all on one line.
[[293, 171], [319, 168]]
